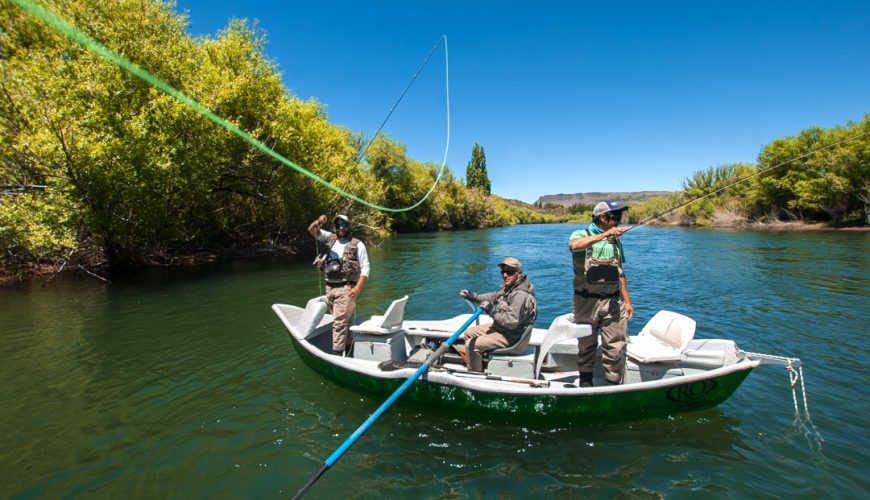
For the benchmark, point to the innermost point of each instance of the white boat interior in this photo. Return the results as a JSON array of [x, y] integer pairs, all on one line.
[[664, 348]]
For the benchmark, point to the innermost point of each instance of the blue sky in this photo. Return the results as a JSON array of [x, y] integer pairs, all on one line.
[[572, 97]]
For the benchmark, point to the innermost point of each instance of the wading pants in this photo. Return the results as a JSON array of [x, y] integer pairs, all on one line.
[[480, 339], [608, 317], [342, 306]]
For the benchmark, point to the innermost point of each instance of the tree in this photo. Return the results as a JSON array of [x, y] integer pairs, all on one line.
[[475, 174], [130, 171]]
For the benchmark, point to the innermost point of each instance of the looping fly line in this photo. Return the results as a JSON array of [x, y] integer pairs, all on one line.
[[89, 43]]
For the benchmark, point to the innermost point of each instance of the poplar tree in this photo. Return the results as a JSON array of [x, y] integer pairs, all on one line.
[[475, 174]]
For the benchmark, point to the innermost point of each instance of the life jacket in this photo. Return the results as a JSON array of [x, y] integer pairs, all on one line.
[[597, 277], [342, 270]]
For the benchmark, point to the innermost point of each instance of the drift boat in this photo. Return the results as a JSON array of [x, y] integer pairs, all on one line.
[[534, 381]]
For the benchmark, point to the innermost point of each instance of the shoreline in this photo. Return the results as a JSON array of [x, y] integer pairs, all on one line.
[[768, 226], [11, 275]]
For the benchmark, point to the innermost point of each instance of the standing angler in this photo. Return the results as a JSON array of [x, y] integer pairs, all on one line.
[[601, 292], [344, 263]]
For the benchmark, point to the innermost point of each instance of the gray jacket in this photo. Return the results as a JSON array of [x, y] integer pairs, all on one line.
[[515, 308]]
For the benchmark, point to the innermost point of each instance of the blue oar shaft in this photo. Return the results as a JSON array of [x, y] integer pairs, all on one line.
[[336, 455], [392, 399]]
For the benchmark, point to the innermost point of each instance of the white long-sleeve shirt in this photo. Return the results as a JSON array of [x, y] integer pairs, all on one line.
[[337, 251]]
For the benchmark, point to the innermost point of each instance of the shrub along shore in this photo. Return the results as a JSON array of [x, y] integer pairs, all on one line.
[[98, 169]]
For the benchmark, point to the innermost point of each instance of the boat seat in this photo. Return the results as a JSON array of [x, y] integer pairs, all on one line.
[[562, 328], [519, 348], [303, 323], [389, 323], [663, 338]]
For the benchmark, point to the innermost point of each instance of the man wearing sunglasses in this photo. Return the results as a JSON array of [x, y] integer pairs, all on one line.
[[513, 308], [601, 292], [344, 263]]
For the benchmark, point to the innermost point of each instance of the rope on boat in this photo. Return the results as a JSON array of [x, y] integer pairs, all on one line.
[[795, 370]]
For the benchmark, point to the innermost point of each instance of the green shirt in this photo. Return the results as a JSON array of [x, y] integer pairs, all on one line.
[[601, 250]]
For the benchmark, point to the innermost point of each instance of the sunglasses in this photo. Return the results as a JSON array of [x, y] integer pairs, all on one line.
[[614, 215], [343, 224], [509, 272]]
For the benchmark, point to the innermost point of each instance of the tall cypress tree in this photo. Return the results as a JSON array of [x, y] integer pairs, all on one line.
[[475, 174]]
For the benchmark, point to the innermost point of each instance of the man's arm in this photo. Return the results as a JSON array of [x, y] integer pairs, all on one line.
[[356, 290], [623, 289], [365, 268], [488, 297], [313, 230], [585, 242]]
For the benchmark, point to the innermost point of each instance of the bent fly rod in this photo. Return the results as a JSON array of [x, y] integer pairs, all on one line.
[[738, 181]]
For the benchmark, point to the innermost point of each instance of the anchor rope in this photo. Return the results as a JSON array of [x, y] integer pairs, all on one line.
[[793, 376], [89, 43], [795, 371], [804, 391]]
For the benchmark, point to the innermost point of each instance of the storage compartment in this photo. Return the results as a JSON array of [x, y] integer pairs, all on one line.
[[513, 366], [562, 357], [379, 347]]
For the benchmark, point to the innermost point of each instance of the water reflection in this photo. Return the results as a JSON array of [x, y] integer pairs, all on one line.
[[181, 382]]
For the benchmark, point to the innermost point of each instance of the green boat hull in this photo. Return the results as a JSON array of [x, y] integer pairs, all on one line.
[[579, 408]]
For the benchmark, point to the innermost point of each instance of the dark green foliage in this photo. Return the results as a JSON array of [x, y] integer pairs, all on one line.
[[578, 208], [476, 176]]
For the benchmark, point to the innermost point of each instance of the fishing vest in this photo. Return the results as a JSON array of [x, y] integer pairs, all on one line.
[[598, 278], [347, 269]]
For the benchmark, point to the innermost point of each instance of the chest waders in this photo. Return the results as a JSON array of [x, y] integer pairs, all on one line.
[[597, 278]]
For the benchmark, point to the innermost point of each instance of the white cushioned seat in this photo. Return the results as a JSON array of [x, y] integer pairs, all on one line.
[[663, 338]]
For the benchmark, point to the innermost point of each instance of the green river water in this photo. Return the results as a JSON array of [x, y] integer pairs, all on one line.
[[182, 382]]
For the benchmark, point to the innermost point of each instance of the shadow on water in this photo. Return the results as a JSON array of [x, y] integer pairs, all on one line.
[[449, 457]]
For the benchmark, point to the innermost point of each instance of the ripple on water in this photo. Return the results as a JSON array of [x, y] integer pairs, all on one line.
[[182, 383]]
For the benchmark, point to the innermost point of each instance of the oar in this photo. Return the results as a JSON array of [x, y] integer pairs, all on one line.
[[336, 455]]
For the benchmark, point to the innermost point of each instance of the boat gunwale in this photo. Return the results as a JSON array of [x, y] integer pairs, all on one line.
[[504, 386]]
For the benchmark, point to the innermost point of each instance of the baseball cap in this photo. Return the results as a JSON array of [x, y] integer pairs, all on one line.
[[607, 206], [341, 217], [511, 263]]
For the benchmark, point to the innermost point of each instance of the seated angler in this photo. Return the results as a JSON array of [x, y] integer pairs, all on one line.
[[513, 308]]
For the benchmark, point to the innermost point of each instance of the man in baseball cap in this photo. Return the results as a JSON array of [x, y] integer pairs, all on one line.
[[607, 206], [601, 292], [513, 308]]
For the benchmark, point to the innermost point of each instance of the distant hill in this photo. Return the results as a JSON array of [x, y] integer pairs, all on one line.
[[566, 200]]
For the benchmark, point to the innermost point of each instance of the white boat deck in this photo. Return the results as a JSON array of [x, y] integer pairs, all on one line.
[[557, 344]]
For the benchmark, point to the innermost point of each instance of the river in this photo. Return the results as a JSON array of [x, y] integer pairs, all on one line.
[[181, 382]]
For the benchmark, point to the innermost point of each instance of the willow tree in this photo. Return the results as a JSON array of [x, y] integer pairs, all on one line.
[[828, 179], [131, 171]]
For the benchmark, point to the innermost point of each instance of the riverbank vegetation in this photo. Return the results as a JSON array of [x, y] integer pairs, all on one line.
[[829, 183], [100, 168]]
